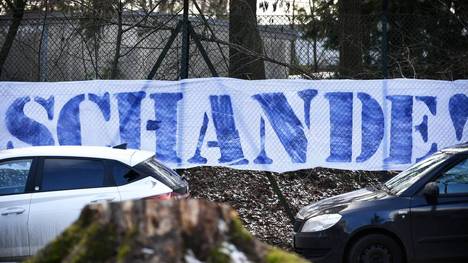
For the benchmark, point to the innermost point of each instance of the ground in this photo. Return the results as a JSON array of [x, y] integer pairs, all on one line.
[[253, 195]]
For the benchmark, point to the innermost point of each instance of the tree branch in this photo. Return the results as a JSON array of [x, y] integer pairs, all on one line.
[[147, 35], [257, 55], [142, 19]]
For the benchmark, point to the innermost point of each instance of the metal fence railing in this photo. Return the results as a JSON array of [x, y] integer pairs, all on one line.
[[62, 47]]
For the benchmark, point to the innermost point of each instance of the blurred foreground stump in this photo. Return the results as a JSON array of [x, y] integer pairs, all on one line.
[[189, 231]]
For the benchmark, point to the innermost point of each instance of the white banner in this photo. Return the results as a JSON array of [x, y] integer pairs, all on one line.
[[275, 125]]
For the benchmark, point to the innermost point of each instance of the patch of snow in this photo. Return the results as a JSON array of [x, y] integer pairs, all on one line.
[[236, 255], [190, 257], [222, 226], [147, 251]]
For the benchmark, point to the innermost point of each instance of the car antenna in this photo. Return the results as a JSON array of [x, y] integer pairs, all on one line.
[[122, 146]]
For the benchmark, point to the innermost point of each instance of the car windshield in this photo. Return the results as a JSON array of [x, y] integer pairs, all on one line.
[[164, 174], [405, 179]]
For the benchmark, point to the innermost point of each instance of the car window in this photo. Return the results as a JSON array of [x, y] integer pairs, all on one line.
[[405, 179], [167, 176], [455, 180], [13, 176], [67, 174], [123, 174]]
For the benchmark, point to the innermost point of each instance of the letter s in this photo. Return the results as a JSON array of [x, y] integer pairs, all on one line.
[[25, 128]]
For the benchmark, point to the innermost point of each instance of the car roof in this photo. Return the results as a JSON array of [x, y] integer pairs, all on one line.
[[459, 148], [130, 157]]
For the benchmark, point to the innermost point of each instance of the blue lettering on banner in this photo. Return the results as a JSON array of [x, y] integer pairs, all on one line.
[[307, 96], [262, 157], [103, 103], [431, 104], [10, 145], [226, 132], [129, 104], [47, 104], [69, 126], [228, 139], [246, 124], [197, 158], [23, 127], [165, 125], [423, 127], [458, 108], [401, 131], [372, 126], [286, 125], [341, 126]]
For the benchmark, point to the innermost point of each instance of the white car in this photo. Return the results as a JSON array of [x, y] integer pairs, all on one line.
[[43, 189]]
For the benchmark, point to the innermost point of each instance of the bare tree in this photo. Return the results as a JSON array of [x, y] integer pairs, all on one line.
[[350, 37], [167, 6], [118, 41], [243, 31], [16, 7], [214, 8], [120, 6]]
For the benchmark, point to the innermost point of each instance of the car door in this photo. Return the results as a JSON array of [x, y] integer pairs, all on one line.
[[63, 188], [14, 207], [440, 230]]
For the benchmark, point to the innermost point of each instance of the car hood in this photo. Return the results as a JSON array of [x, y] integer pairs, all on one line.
[[337, 203]]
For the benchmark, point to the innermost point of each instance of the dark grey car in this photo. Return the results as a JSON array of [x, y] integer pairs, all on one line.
[[420, 215]]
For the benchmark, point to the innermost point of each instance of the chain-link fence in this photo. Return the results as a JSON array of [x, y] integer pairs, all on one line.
[[60, 47], [57, 46]]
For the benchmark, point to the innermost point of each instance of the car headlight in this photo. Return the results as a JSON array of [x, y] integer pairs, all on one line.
[[321, 222]]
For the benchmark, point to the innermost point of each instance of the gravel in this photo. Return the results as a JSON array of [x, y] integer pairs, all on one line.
[[258, 205]]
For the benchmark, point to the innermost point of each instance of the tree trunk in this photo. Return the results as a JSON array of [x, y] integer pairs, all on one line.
[[18, 12], [243, 32], [118, 43], [186, 230], [350, 38]]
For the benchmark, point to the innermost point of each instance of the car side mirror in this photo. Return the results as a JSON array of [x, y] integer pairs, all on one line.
[[431, 192]]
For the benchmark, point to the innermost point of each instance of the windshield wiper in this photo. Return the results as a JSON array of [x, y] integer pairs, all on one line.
[[381, 186], [386, 188]]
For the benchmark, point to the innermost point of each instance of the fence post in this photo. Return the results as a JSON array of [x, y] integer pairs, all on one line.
[[384, 21], [184, 63]]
